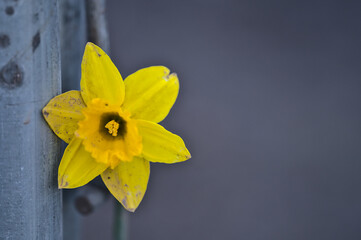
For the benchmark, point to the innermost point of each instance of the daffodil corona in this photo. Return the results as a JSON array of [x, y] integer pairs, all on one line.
[[111, 127]]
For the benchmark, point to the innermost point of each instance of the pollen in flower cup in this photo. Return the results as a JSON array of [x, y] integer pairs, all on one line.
[[111, 127]]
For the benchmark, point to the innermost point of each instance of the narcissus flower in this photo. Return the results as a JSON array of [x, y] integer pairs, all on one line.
[[111, 127]]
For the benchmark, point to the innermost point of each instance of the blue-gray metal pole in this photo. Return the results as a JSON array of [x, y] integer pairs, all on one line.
[[73, 38], [30, 201], [73, 33], [97, 24]]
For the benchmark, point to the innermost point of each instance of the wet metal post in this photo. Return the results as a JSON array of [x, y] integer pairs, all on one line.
[[30, 201]]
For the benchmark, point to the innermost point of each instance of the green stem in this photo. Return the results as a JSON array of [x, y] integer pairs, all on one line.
[[120, 222]]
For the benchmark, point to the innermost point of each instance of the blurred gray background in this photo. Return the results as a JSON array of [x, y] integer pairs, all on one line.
[[269, 107]]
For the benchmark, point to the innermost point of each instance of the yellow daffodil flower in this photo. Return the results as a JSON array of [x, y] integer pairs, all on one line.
[[111, 127]]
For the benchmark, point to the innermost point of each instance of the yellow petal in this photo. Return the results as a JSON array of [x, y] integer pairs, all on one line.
[[99, 77], [151, 93], [63, 113], [77, 167], [160, 145], [128, 182]]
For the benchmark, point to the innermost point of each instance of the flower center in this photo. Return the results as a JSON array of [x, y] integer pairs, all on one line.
[[108, 133], [112, 128], [112, 125]]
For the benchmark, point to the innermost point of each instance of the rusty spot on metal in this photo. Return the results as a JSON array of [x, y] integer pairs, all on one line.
[[9, 10], [36, 41], [35, 17], [11, 75], [4, 40]]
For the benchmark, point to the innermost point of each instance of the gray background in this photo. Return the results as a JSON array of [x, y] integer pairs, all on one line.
[[269, 107]]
